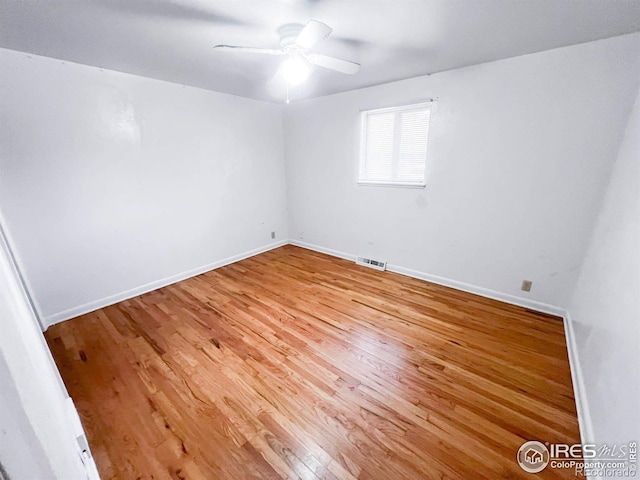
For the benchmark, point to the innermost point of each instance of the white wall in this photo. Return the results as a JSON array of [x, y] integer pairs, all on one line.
[[605, 308], [519, 155], [18, 441], [37, 441], [113, 183]]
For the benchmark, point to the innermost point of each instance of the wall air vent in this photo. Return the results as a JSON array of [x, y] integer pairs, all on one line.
[[371, 263]]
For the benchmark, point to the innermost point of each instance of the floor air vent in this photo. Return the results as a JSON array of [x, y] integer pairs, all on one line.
[[371, 263]]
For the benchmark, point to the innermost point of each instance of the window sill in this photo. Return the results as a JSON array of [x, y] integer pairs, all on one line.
[[362, 183]]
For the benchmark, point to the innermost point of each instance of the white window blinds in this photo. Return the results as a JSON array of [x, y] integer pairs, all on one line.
[[394, 145]]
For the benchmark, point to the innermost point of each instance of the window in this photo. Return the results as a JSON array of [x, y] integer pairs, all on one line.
[[394, 145]]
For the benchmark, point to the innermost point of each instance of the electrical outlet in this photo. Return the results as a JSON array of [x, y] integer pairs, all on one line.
[[526, 285], [273, 234]]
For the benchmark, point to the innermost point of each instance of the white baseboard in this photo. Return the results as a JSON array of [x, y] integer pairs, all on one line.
[[328, 251], [579, 391], [119, 297], [134, 292], [481, 291], [447, 282]]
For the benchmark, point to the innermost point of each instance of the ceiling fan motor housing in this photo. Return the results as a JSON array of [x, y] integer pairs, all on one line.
[[288, 34]]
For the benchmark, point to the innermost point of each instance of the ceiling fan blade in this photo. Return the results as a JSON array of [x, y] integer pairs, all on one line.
[[235, 48], [343, 66], [312, 33]]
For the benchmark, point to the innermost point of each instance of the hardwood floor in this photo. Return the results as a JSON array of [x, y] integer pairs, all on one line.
[[293, 364]]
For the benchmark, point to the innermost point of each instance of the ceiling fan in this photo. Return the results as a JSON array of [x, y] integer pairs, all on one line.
[[296, 41]]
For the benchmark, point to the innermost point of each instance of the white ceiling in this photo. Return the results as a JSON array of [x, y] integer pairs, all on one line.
[[392, 39]]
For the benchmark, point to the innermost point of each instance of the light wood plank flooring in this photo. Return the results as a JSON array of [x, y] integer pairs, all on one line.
[[293, 364]]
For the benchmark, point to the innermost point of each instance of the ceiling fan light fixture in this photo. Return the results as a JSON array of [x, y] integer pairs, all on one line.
[[295, 70]]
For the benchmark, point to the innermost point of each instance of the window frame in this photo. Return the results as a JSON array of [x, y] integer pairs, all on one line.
[[364, 115]]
